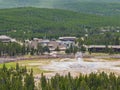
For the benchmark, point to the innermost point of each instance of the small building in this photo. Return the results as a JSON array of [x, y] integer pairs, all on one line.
[[32, 44], [35, 42], [56, 44], [44, 42], [67, 41]]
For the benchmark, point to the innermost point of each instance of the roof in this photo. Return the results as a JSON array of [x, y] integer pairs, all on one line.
[[55, 44], [103, 46], [4, 37], [45, 41], [67, 38]]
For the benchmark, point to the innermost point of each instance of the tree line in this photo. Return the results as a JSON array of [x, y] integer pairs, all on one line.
[[11, 49], [20, 78], [15, 49], [101, 81]]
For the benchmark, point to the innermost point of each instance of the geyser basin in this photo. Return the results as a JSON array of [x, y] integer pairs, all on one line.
[[76, 65], [80, 66]]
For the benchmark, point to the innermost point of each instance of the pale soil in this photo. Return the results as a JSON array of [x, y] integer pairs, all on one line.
[[50, 67], [64, 66]]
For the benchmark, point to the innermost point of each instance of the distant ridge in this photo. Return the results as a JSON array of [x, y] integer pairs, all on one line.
[[101, 7]]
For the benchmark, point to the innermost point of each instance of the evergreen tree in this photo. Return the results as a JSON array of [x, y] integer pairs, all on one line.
[[43, 82]]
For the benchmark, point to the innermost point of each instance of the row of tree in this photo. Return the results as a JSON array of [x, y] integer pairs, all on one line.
[[93, 81], [11, 49], [74, 49], [18, 78], [39, 50], [15, 49]]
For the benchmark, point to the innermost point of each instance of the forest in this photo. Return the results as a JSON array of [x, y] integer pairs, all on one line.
[[20, 78], [31, 22], [100, 81]]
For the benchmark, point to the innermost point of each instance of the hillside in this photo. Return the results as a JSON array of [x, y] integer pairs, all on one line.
[[101, 7], [35, 22]]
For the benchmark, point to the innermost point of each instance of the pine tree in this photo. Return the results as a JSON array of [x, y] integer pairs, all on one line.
[[43, 82]]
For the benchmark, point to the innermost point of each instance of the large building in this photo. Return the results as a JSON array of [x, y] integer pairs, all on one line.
[[6, 39], [67, 41], [53, 45], [100, 48], [63, 43]]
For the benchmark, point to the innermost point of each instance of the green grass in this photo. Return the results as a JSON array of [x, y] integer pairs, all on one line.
[[36, 68], [9, 65], [111, 59]]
